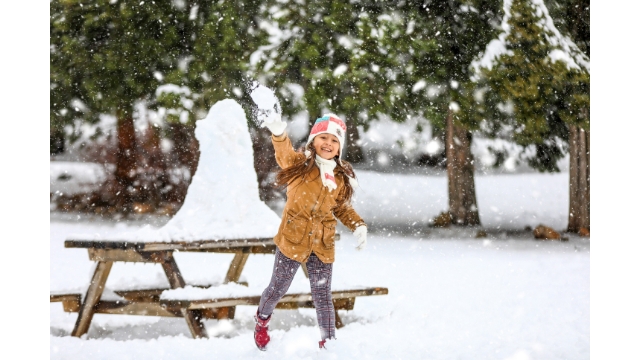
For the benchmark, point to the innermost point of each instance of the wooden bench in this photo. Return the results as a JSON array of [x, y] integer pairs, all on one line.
[[149, 302]]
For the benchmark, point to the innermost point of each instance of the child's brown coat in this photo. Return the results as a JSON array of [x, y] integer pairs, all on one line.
[[308, 221]]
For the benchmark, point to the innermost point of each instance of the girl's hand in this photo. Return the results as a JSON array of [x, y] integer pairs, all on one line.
[[361, 235], [272, 120]]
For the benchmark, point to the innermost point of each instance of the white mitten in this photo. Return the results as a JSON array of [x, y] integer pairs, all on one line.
[[361, 235], [272, 120]]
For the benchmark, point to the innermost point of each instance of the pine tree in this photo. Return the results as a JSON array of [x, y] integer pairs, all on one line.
[[104, 55], [348, 58], [367, 58], [218, 39], [572, 17], [461, 30], [538, 96], [107, 55]]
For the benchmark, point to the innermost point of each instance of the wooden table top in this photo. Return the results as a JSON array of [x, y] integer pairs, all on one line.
[[198, 245]]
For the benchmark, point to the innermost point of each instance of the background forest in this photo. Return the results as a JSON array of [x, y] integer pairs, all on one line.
[[128, 80]]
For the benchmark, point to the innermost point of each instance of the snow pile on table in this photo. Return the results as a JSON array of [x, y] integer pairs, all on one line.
[[232, 290], [222, 201], [107, 293], [216, 292]]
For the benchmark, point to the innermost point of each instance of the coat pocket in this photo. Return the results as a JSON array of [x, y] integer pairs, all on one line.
[[293, 229], [328, 234]]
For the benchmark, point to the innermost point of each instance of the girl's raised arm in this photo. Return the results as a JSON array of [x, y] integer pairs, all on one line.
[[285, 155]]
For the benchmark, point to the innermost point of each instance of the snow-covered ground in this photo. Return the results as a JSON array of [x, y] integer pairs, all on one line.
[[450, 295], [510, 201], [448, 299]]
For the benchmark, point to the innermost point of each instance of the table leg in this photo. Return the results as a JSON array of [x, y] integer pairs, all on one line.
[[233, 275], [339, 323], [94, 292], [236, 267], [193, 317], [174, 275]]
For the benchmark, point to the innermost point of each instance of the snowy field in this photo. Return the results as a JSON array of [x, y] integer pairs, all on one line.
[[508, 298], [451, 296], [508, 202]]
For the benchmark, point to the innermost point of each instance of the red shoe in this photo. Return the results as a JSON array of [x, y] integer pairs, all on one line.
[[321, 343], [261, 333]]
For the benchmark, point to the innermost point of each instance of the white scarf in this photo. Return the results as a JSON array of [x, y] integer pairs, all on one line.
[[326, 172]]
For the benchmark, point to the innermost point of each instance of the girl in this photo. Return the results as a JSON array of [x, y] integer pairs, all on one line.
[[319, 190]]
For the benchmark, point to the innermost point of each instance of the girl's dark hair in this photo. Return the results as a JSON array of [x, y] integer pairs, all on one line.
[[303, 168]]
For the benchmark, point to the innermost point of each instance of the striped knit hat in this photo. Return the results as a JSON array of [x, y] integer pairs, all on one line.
[[329, 124]]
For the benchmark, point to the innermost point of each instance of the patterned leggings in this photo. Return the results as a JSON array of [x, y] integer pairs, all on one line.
[[284, 269]]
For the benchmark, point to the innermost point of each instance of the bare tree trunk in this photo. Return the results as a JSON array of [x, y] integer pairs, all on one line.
[[579, 180], [463, 206], [125, 159], [353, 153]]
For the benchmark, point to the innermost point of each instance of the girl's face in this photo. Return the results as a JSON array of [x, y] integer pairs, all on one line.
[[326, 145]]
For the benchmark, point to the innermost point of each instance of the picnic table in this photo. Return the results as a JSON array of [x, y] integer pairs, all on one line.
[[149, 302]]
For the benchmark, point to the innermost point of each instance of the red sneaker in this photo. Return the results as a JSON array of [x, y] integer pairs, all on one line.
[[261, 333], [322, 343]]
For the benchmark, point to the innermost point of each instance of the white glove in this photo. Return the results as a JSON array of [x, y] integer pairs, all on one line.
[[272, 120], [361, 235]]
